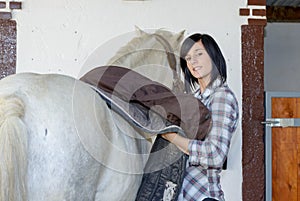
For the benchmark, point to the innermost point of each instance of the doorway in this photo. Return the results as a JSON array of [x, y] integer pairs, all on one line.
[[281, 73]]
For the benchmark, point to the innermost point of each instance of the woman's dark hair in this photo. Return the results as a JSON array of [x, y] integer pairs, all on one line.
[[213, 50]]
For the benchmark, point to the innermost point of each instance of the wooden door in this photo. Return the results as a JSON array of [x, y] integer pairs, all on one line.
[[285, 148], [285, 151]]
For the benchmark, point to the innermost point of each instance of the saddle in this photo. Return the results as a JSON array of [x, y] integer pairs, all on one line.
[[183, 113], [180, 110]]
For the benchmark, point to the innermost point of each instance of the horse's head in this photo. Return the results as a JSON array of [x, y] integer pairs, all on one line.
[[155, 55]]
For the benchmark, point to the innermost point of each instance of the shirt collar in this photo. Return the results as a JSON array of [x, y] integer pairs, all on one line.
[[209, 90]]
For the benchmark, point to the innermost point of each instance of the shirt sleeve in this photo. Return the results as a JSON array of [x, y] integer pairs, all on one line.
[[212, 152]]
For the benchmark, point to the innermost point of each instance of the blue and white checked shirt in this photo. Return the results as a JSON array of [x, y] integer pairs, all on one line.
[[206, 157]]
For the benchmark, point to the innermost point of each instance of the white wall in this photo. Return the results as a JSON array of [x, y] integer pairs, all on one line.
[[282, 57], [59, 35]]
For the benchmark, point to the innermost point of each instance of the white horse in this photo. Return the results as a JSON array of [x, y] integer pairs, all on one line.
[[60, 141]]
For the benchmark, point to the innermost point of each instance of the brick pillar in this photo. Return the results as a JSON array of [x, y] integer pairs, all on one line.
[[253, 113], [253, 151], [8, 38], [7, 47]]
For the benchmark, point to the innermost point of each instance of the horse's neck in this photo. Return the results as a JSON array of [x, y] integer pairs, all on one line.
[[133, 57], [152, 56], [152, 65]]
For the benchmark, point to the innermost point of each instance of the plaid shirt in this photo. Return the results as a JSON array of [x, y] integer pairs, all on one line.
[[206, 157]]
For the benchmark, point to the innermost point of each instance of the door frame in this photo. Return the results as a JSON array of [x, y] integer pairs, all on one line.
[[268, 134]]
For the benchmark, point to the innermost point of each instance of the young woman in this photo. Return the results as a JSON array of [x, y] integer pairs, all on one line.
[[204, 68]]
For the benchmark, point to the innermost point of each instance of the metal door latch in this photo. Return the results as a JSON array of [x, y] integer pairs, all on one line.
[[282, 122]]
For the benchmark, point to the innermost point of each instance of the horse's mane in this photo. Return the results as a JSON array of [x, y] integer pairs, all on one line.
[[139, 48], [129, 49]]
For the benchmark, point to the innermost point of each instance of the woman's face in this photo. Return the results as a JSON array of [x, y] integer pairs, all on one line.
[[199, 62]]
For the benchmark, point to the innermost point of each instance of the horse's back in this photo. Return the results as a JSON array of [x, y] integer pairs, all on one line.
[[33, 83], [59, 166], [77, 148]]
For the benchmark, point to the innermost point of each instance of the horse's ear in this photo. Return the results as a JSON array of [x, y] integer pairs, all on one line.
[[139, 31], [180, 36]]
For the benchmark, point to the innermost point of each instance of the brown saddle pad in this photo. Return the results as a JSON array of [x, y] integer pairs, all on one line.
[[180, 109]]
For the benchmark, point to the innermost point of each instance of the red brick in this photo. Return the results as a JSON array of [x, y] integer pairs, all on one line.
[[5, 15], [259, 12], [257, 22], [244, 11], [257, 2], [15, 5], [2, 4]]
